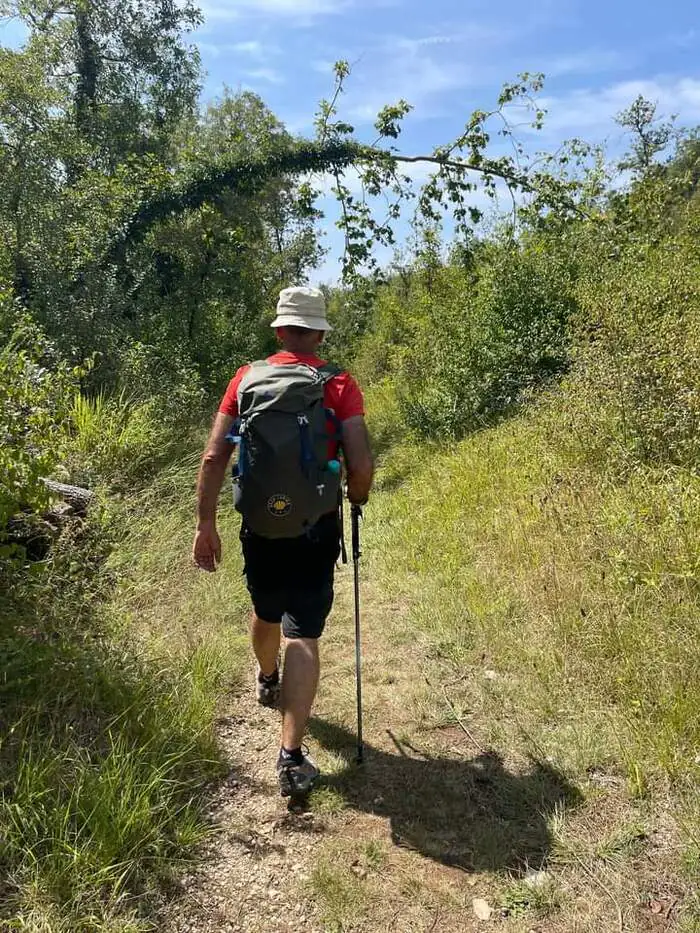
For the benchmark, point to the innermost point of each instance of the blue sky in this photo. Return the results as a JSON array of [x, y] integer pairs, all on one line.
[[448, 57]]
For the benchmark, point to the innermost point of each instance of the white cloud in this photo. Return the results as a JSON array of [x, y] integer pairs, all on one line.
[[253, 48], [425, 69], [257, 51], [296, 9], [410, 73], [252, 54], [422, 42], [215, 11], [467, 35], [211, 49], [269, 75], [323, 66], [590, 113], [588, 61]]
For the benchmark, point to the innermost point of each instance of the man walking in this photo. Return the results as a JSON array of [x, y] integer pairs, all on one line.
[[290, 538]]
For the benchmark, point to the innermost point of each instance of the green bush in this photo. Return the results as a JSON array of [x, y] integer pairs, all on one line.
[[395, 322], [152, 374], [635, 397], [463, 344], [35, 393]]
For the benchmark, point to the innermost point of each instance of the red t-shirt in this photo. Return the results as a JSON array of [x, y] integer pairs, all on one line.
[[341, 394]]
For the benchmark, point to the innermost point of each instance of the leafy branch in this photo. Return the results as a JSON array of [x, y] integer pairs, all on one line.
[[461, 167]]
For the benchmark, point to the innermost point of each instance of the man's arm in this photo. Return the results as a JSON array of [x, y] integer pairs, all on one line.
[[207, 544], [358, 458]]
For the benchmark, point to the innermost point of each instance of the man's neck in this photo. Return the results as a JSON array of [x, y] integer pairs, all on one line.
[[300, 351]]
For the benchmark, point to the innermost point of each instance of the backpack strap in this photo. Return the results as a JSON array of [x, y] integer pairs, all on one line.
[[329, 371], [236, 439]]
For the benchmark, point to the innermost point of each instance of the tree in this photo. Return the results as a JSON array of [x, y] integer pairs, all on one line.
[[132, 219], [209, 274], [650, 135], [122, 74], [87, 112]]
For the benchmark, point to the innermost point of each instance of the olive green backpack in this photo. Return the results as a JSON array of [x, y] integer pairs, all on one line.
[[283, 479]]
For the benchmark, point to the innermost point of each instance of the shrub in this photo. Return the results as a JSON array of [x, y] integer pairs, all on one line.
[[152, 374], [464, 343], [635, 397], [35, 394]]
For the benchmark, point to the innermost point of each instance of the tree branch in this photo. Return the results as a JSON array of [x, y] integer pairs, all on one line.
[[487, 168], [248, 176], [244, 175]]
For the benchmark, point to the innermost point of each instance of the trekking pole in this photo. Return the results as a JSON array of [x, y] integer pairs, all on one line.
[[356, 513]]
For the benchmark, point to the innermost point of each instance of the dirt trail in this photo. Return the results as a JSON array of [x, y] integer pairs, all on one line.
[[410, 842], [253, 868]]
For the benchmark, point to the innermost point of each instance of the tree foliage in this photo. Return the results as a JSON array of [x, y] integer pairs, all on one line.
[[650, 134], [151, 235], [606, 300]]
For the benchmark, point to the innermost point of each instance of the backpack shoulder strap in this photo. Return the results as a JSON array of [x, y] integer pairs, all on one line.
[[329, 371], [252, 367]]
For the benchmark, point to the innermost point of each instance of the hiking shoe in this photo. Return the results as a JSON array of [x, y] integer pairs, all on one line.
[[268, 690], [296, 780]]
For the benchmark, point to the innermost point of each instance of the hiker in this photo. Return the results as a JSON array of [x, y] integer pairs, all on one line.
[[294, 413]]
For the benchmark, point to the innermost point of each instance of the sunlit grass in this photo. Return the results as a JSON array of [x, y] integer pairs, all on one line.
[[579, 592], [339, 894]]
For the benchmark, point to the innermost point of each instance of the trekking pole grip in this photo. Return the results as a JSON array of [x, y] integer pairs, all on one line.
[[356, 513]]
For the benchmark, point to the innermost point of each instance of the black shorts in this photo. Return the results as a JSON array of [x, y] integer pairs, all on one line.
[[290, 580]]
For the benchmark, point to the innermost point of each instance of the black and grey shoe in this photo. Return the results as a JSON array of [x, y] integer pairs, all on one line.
[[296, 775], [268, 689]]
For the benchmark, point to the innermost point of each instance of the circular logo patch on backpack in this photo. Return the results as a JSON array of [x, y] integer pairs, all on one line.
[[279, 505]]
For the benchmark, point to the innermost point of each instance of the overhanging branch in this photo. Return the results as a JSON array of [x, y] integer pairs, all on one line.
[[249, 175], [245, 175]]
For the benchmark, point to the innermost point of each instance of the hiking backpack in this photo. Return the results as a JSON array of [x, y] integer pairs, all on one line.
[[283, 481]]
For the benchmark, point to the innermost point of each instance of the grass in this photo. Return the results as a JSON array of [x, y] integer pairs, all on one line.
[[536, 901], [346, 883], [558, 602], [101, 768], [578, 592], [339, 893], [113, 666], [327, 800], [555, 604]]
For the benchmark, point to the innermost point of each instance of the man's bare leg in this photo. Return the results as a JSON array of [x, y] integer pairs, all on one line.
[[266, 645], [299, 685]]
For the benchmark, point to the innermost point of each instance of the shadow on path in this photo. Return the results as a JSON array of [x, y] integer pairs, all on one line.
[[472, 814]]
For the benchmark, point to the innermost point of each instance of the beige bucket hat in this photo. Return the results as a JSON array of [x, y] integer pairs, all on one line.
[[302, 307]]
